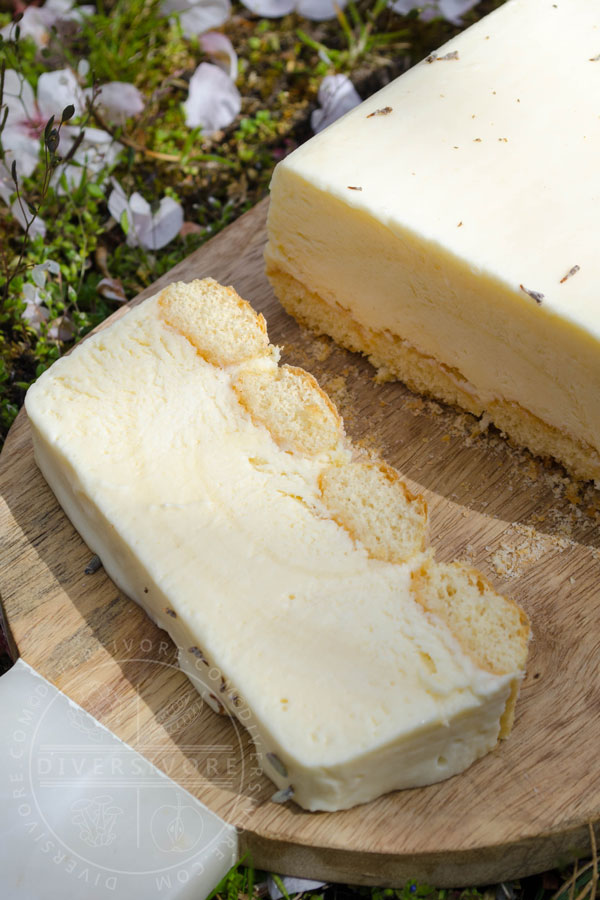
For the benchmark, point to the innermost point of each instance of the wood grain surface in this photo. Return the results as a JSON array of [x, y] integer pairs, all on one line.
[[526, 807]]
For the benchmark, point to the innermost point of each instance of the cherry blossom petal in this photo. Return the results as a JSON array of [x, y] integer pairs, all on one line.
[[98, 150], [221, 49], [270, 9], [59, 89], [34, 24], [23, 214], [162, 227], [32, 294], [61, 329], [7, 185], [37, 21], [452, 10], [291, 886], [19, 208], [119, 101], [337, 96], [22, 147], [213, 101], [145, 229], [112, 289], [136, 210], [18, 97], [34, 315], [198, 16], [38, 273], [117, 201], [319, 10]]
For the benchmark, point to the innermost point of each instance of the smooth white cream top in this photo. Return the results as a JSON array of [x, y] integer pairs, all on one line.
[[504, 139]]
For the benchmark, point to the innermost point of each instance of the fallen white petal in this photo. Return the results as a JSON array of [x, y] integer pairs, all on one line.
[[163, 227], [112, 289], [34, 24], [119, 101], [221, 49], [32, 294], [213, 101], [117, 200], [22, 147], [62, 329], [452, 10], [337, 96], [319, 10], [56, 90], [198, 16], [60, 8], [34, 315], [270, 9], [22, 213], [38, 273], [291, 885], [119, 204], [18, 97], [403, 7], [7, 185], [97, 151]]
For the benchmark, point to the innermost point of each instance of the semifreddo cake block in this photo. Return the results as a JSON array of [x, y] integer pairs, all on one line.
[[448, 227], [291, 570]]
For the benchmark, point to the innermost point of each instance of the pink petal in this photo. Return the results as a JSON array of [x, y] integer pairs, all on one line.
[[318, 10], [221, 49], [163, 227], [270, 9], [213, 101], [337, 96], [120, 101], [57, 90]]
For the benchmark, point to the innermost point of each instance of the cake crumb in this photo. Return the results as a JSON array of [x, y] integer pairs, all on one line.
[[572, 271]]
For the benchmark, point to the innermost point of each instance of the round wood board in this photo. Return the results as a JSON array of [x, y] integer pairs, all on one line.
[[526, 807]]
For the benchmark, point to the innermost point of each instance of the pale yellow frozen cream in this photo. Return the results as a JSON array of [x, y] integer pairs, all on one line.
[[448, 226], [223, 536]]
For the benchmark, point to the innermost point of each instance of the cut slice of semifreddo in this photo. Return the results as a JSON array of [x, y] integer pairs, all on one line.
[[221, 493], [448, 227]]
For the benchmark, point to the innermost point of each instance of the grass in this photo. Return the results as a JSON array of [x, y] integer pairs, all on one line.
[[215, 178]]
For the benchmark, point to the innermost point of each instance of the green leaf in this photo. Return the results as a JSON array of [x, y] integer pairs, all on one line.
[[124, 221], [94, 190]]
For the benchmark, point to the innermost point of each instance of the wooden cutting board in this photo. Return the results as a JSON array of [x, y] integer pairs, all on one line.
[[526, 807]]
